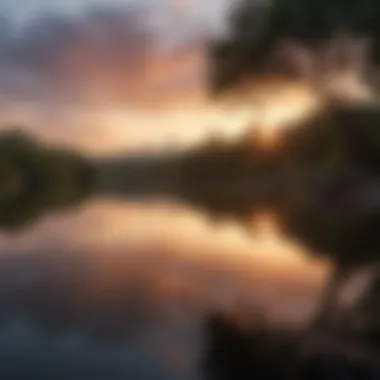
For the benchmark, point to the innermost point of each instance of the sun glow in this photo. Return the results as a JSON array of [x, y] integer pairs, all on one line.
[[190, 125], [267, 105]]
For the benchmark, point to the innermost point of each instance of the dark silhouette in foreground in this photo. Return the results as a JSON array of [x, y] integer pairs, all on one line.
[[251, 353], [259, 353]]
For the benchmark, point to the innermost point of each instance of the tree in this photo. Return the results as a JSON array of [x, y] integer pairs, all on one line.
[[257, 28], [35, 178]]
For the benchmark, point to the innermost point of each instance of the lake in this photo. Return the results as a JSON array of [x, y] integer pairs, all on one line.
[[119, 289]]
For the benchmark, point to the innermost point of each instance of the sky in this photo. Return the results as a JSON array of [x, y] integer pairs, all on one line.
[[107, 76], [112, 77]]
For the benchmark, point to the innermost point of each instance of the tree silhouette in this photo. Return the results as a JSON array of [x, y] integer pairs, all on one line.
[[257, 28], [35, 178]]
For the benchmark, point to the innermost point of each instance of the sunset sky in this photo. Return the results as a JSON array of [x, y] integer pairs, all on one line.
[[123, 76], [108, 76]]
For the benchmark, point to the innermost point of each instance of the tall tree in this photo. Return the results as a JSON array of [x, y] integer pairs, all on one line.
[[256, 27]]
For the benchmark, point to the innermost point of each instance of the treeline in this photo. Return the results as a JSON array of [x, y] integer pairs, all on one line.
[[35, 178], [312, 179], [337, 139]]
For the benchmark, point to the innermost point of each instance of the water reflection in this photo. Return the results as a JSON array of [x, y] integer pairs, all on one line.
[[121, 289], [128, 286], [342, 339], [36, 179]]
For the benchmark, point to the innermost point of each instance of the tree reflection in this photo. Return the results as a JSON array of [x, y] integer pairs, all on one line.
[[35, 178], [322, 183]]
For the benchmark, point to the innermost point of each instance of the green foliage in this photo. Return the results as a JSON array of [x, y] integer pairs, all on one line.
[[257, 26], [35, 178]]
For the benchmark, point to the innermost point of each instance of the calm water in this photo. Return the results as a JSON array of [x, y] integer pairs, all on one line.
[[119, 290]]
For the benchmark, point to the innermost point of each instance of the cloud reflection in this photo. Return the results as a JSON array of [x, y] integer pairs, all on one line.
[[131, 283]]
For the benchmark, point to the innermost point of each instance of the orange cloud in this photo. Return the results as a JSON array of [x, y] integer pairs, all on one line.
[[64, 78]]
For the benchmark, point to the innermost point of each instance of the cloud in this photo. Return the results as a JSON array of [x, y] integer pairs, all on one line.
[[57, 70], [106, 55]]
